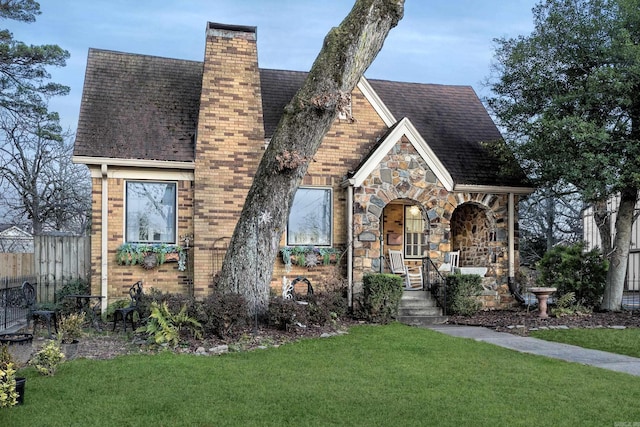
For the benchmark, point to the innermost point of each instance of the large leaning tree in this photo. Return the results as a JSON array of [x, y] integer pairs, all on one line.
[[347, 52], [568, 97]]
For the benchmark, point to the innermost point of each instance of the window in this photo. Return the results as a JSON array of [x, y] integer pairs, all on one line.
[[310, 218], [151, 212], [415, 241]]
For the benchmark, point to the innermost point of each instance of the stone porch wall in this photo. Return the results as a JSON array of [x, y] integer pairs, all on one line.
[[404, 175]]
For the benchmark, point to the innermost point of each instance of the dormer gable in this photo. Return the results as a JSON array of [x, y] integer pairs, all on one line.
[[404, 128]]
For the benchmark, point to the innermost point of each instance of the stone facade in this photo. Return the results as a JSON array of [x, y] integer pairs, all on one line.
[[474, 223]]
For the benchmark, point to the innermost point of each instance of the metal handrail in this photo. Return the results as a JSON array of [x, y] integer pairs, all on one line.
[[435, 283]]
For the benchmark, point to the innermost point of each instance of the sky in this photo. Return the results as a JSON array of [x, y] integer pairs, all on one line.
[[437, 41]]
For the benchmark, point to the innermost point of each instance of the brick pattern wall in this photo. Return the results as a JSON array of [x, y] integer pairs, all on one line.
[[229, 145], [165, 277], [342, 150]]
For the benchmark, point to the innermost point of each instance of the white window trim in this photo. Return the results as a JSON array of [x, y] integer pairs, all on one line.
[[125, 211], [404, 235]]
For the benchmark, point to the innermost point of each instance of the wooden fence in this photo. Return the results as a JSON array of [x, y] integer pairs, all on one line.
[[16, 265], [59, 260], [56, 261]]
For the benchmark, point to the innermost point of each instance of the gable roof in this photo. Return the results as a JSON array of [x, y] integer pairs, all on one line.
[[402, 128], [12, 231], [146, 107], [454, 123], [139, 107]]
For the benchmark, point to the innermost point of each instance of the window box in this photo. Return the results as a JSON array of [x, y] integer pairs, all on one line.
[[151, 255], [309, 256]]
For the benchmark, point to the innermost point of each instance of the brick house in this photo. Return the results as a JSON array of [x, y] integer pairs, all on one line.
[[173, 145]]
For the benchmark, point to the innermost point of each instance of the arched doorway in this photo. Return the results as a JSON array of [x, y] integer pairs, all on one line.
[[473, 234]]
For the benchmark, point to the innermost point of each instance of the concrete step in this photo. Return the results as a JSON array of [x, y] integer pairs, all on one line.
[[420, 311], [422, 320], [419, 308]]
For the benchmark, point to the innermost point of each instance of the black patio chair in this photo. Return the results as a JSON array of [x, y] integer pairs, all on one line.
[[135, 292], [36, 312]]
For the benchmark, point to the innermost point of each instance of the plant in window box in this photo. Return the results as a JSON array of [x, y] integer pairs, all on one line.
[[300, 255], [328, 255], [148, 255], [286, 258]]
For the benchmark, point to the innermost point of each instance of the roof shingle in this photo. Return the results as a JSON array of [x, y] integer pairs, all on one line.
[[145, 107]]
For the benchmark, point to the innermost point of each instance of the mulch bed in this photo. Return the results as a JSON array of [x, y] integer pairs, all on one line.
[[107, 345], [521, 321]]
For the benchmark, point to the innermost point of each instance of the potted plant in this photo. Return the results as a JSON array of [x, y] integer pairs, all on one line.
[[11, 388], [70, 331], [19, 345]]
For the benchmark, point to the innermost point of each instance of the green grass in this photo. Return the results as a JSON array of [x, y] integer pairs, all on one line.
[[375, 376], [621, 341]]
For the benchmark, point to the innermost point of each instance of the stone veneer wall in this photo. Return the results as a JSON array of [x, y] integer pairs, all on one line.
[[404, 175]]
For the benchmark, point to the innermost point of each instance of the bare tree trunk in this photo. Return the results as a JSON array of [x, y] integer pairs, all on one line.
[[619, 253], [347, 52], [602, 217]]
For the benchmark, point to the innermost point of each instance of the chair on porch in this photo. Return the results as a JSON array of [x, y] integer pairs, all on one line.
[[451, 262], [412, 275]]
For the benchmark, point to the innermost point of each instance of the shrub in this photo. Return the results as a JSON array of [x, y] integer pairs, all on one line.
[[566, 306], [46, 360], [68, 305], [326, 307], [163, 326], [70, 327], [571, 269], [175, 302], [223, 313], [381, 299], [462, 293], [8, 394], [285, 313]]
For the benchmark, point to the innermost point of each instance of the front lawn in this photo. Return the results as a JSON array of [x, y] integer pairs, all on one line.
[[621, 341], [374, 376]]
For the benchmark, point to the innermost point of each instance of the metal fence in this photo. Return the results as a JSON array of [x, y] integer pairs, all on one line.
[[13, 307]]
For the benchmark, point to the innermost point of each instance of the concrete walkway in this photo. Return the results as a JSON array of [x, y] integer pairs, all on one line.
[[570, 353]]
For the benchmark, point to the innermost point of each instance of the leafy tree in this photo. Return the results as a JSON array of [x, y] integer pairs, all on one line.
[[24, 85], [568, 97], [347, 52], [548, 216], [37, 179]]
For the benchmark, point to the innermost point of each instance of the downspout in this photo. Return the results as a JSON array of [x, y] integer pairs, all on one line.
[[350, 246], [104, 255], [511, 280]]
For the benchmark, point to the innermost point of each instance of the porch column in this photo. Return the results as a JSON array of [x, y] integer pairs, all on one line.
[[512, 228], [104, 240]]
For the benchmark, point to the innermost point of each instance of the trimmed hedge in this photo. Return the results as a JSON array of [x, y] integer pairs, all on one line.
[[382, 294], [462, 294]]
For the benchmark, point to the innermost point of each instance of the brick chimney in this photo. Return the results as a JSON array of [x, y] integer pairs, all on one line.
[[229, 144]]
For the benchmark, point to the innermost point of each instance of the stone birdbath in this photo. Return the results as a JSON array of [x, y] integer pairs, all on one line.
[[542, 294]]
